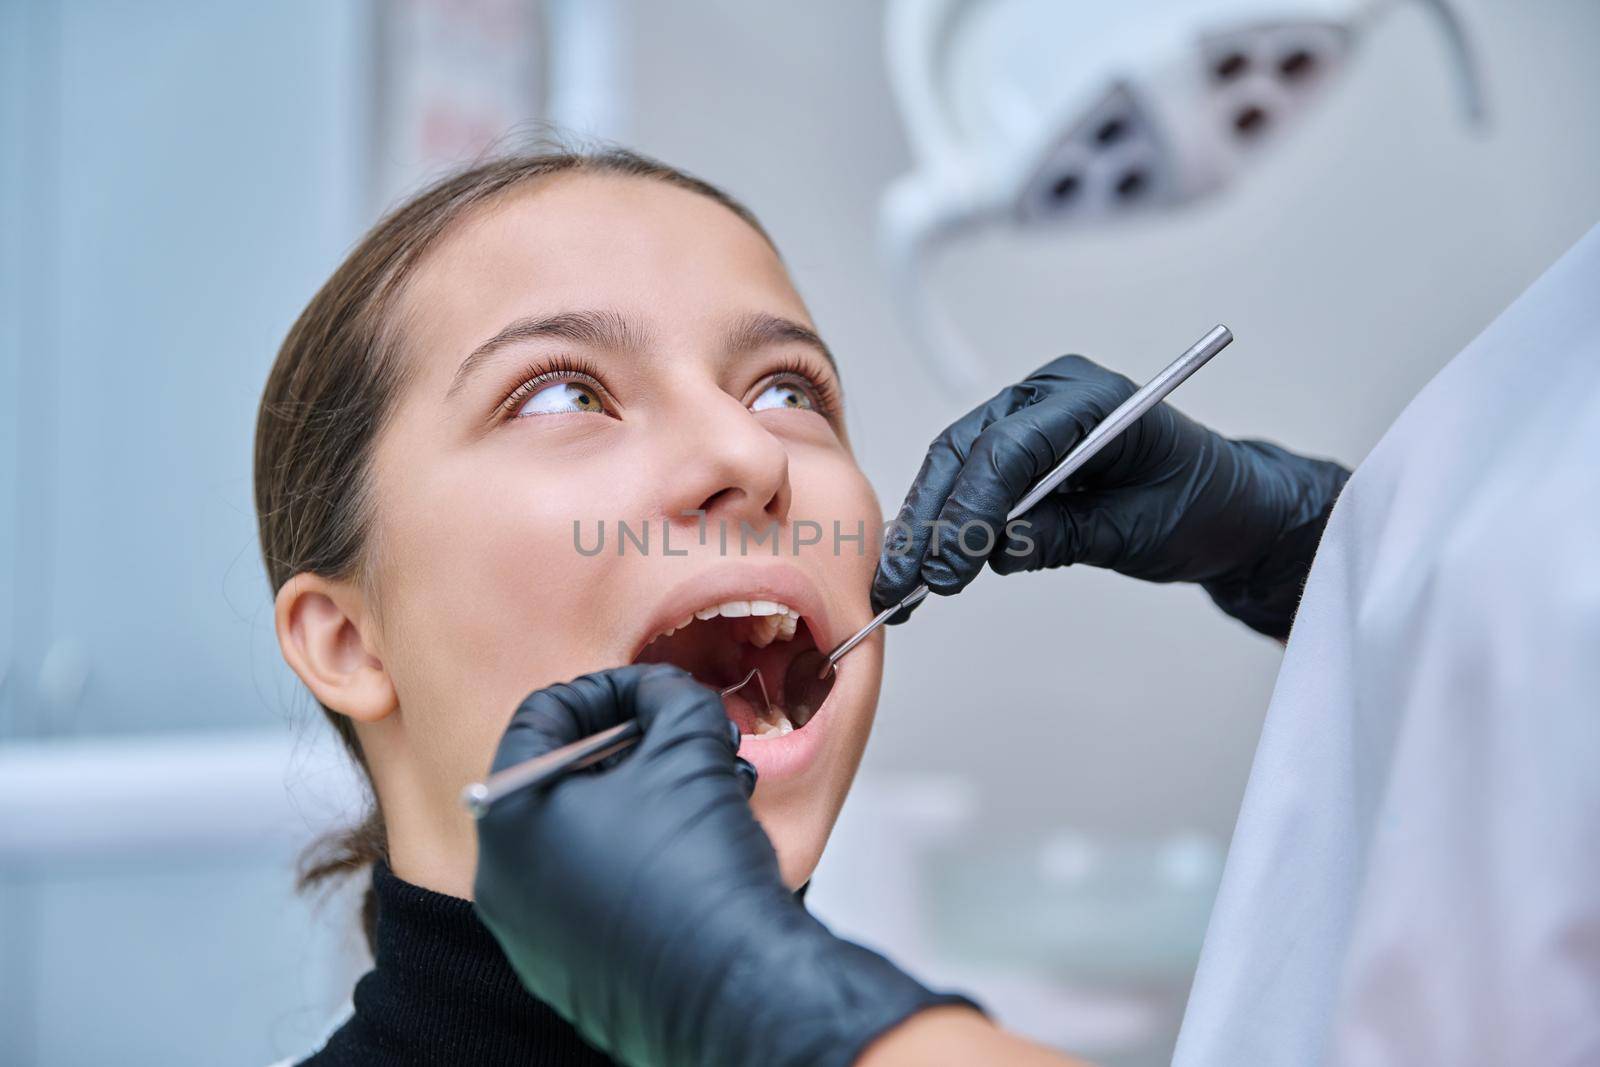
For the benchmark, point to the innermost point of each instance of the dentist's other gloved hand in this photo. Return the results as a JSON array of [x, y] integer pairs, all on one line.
[[1167, 501], [643, 901]]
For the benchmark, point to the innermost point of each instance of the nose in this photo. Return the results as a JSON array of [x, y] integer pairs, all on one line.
[[730, 467]]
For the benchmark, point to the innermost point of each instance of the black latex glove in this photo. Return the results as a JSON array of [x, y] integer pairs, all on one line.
[[1167, 501], [643, 901]]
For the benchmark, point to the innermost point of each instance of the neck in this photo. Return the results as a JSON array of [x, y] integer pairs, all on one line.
[[432, 842], [439, 863]]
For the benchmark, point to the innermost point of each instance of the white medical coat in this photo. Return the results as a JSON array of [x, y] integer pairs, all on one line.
[[1415, 874]]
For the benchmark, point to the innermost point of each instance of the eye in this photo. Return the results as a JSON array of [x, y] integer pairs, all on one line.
[[787, 393], [562, 397]]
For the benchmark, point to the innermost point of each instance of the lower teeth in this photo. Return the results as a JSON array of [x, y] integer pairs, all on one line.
[[771, 729]]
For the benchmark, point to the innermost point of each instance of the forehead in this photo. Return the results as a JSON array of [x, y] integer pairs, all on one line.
[[675, 259]]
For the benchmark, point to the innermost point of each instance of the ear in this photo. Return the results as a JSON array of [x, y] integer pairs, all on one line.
[[320, 626]]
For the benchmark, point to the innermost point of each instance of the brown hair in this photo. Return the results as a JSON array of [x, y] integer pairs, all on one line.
[[328, 395]]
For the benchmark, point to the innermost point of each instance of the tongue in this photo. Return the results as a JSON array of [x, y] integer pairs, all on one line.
[[740, 709]]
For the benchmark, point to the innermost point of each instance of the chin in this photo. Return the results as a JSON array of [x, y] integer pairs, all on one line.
[[798, 826], [798, 853]]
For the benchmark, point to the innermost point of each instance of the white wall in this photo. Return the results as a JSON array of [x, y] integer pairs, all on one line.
[[175, 181], [182, 177]]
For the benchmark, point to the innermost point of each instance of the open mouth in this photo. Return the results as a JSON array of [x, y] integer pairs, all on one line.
[[721, 643]]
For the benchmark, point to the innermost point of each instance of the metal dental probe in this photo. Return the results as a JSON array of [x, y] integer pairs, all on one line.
[[479, 796], [801, 689]]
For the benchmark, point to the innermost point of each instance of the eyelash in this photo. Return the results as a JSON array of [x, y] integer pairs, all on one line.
[[542, 373], [811, 374], [538, 374]]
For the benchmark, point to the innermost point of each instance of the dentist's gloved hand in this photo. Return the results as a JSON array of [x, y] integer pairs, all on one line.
[[643, 901], [1167, 501]]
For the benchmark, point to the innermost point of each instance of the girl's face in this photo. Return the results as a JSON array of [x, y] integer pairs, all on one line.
[[592, 353]]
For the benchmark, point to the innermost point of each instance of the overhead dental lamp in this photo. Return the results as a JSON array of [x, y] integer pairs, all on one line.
[[1048, 112]]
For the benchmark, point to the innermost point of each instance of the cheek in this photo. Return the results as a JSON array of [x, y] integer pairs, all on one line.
[[829, 488], [488, 590]]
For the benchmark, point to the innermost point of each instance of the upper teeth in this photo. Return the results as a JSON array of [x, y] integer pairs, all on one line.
[[770, 620]]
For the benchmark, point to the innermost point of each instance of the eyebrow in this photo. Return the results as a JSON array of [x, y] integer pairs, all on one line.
[[757, 330], [615, 332]]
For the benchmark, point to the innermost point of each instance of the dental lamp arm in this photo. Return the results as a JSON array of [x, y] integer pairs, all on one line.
[[643, 901], [1168, 501]]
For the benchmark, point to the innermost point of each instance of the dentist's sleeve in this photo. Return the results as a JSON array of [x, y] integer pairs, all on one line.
[[1415, 875]]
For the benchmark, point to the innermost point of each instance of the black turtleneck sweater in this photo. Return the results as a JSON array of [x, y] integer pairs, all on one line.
[[441, 991]]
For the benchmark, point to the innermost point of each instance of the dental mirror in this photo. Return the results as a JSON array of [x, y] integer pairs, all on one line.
[[806, 684], [811, 674]]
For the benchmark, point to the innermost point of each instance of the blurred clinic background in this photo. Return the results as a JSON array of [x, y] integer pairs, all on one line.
[[176, 179]]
